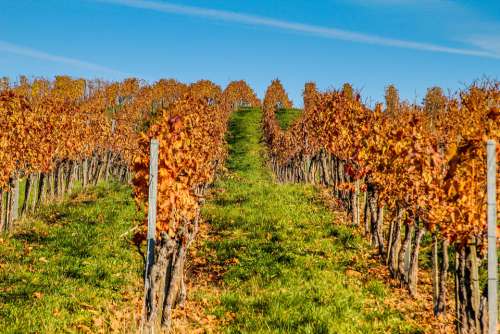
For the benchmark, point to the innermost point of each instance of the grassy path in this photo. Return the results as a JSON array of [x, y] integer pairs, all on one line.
[[287, 261], [287, 116], [71, 268]]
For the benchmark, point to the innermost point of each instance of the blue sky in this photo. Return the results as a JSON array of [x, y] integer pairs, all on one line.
[[414, 44]]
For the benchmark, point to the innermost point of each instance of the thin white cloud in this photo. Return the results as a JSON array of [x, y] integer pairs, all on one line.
[[37, 54], [383, 2], [412, 3], [489, 43], [320, 31]]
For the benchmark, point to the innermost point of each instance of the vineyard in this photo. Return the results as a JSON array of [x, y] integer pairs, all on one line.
[[335, 218]]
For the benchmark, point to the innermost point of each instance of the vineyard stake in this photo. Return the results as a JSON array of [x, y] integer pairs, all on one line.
[[15, 201], [492, 238], [153, 189]]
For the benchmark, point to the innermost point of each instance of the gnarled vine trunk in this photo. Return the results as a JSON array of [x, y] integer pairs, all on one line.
[[165, 287], [467, 289]]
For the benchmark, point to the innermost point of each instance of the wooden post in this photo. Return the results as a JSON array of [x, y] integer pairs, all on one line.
[[152, 199], [15, 201], [27, 193], [2, 209], [85, 172], [492, 238]]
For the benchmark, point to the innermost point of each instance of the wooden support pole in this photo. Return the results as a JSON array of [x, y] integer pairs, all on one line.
[[492, 238], [152, 199]]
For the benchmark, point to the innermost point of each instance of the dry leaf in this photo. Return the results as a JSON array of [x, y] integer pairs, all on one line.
[[38, 295]]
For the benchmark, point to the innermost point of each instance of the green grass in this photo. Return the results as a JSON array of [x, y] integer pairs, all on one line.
[[64, 269], [287, 116], [289, 273]]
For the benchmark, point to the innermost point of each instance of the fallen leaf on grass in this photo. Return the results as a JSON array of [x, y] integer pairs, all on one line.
[[115, 324], [86, 306], [37, 295], [84, 328], [199, 331], [232, 261], [98, 322], [27, 249], [353, 273]]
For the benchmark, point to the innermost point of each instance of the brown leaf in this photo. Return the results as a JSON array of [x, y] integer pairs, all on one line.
[[38, 295]]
